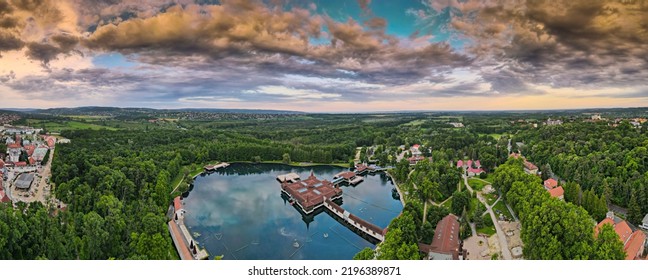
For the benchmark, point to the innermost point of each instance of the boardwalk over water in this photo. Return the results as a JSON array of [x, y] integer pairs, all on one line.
[[358, 223]]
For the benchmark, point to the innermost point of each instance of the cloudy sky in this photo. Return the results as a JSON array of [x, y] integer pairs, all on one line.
[[326, 55]]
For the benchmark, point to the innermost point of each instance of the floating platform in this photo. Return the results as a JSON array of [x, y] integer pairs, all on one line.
[[290, 177], [217, 166]]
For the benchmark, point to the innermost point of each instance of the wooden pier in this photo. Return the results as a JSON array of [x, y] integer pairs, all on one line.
[[217, 166], [358, 223]]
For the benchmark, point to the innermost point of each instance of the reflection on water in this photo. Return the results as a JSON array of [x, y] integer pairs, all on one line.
[[240, 213]]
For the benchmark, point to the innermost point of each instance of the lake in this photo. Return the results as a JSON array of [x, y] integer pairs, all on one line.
[[239, 212]]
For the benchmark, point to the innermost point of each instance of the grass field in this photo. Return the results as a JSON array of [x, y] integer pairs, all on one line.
[[487, 230], [490, 198], [58, 126], [447, 204], [477, 185], [415, 123], [501, 207], [494, 135]]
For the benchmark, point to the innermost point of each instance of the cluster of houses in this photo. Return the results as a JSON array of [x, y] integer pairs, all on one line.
[[417, 155], [35, 150], [634, 240], [554, 189]]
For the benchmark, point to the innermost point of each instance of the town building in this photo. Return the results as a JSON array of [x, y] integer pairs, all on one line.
[[446, 244], [24, 181], [644, 223], [415, 159], [530, 168], [472, 168], [634, 242], [553, 122], [558, 193], [186, 246], [348, 177], [550, 183], [415, 149]]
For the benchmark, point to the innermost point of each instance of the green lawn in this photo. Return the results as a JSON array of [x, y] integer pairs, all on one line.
[[58, 126], [494, 135], [501, 207], [487, 230], [447, 204], [474, 202], [490, 198], [415, 123], [476, 184], [489, 178]]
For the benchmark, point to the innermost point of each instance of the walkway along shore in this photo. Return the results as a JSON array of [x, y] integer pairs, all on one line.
[[402, 199]]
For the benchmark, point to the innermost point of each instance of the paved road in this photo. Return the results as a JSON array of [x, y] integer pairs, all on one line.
[[506, 253]]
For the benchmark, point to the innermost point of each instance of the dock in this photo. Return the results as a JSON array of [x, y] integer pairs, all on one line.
[[290, 177], [216, 166], [355, 221], [348, 177], [186, 246]]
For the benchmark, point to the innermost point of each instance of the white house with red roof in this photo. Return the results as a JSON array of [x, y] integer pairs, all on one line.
[[415, 149], [551, 185], [472, 168], [530, 168]]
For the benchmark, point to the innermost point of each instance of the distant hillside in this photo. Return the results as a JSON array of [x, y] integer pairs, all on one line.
[[115, 111]]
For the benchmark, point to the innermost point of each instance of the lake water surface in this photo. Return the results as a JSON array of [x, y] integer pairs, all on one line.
[[239, 212]]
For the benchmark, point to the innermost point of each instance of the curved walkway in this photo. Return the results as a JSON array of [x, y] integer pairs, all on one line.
[[506, 253]]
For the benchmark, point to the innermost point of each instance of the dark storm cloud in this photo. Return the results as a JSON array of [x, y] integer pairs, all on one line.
[[9, 42]]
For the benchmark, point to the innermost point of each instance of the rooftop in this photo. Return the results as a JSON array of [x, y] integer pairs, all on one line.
[[446, 237], [557, 192], [550, 183], [310, 191], [24, 180], [635, 244]]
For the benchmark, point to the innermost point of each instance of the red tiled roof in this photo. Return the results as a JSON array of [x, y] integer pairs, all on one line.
[[348, 175], [606, 221], [530, 165], [550, 183], [20, 164], [557, 192], [515, 155], [415, 159], [14, 146], [446, 236], [311, 191], [475, 170], [469, 163], [477, 163], [416, 146], [177, 204], [460, 163], [32, 161], [634, 246], [360, 167], [2, 163], [623, 230]]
